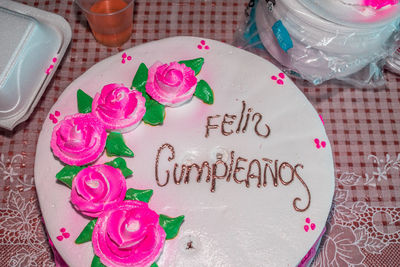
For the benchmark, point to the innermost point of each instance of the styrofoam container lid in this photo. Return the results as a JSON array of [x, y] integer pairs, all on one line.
[[32, 44]]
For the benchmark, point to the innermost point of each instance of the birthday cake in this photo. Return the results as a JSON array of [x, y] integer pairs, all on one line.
[[184, 152]]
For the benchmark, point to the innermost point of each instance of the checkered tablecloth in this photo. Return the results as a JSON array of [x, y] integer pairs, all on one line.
[[363, 126]]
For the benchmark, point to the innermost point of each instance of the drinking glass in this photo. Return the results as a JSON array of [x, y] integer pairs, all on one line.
[[110, 20]]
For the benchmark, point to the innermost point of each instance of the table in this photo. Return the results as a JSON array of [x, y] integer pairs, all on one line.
[[363, 126]]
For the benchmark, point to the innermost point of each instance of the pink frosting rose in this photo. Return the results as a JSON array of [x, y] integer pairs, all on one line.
[[97, 187], [378, 4], [128, 234], [118, 107], [171, 84], [78, 139]]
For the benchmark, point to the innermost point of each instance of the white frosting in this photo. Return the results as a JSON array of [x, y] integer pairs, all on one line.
[[235, 225]]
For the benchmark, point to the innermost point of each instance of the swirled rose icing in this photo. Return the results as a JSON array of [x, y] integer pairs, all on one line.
[[171, 84], [78, 139], [118, 107], [97, 187], [128, 234]]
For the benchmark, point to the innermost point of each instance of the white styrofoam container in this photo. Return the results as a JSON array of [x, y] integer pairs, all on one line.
[[32, 43]]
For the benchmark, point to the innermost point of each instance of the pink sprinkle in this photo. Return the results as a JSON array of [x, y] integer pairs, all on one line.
[[306, 228], [60, 237], [203, 42], [51, 116], [282, 75], [207, 47], [320, 116], [323, 144], [316, 141], [199, 47], [312, 226], [62, 229], [57, 113], [124, 55], [129, 58], [54, 59], [123, 61], [308, 220], [280, 82], [273, 77], [67, 235]]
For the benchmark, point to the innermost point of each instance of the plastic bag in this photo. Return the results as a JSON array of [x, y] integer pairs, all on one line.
[[316, 49]]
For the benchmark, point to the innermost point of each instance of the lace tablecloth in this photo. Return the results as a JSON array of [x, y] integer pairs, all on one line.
[[363, 127]]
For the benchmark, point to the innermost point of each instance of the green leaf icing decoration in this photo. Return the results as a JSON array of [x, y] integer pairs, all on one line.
[[195, 64], [67, 174], [96, 262], [170, 225], [115, 145], [155, 113], [204, 92], [154, 265], [140, 79], [84, 102], [86, 234], [141, 195], [120, 163]]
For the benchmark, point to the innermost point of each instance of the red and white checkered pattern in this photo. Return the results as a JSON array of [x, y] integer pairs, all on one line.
[[363, 127]]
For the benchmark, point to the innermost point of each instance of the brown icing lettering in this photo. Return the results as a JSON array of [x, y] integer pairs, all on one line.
[[171, 148], [241, 116], [199, 171], [183, 169], [305, 186], [227, 116], [274, 173], [256, 126], [238, 169], [246, 119], [211, 126], [214, 173], [258, 172], [281, 173], [228, 178]]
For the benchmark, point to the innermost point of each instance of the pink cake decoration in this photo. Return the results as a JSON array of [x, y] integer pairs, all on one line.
[[53, 117], [319, 143], [171, 84], [124, 231], [125, 58], [97, 187], [119, 108], [64, 234], [128, 234], [50, 68], [279, 79], [78, 139], [203, 45]]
